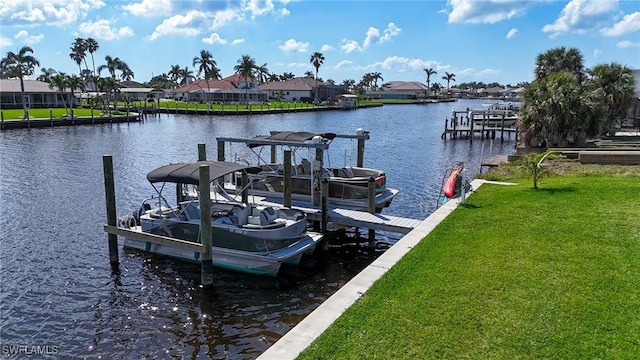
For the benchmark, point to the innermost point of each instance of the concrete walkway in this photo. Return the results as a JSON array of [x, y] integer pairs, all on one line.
[[303, 334]]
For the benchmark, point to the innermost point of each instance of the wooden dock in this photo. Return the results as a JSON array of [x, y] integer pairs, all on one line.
[[469, 123], [367, 220]]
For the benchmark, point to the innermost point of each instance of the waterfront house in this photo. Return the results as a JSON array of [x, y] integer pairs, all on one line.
[[37, 94], [406, 90], [231, 89], [301, 89]]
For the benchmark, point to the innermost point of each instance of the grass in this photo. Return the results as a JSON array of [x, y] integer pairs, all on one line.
[[517, 273]]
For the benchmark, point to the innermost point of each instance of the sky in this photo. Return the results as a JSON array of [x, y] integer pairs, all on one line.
[[476, 40]]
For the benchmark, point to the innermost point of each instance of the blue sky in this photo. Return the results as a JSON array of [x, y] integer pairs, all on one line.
[[485, 40]]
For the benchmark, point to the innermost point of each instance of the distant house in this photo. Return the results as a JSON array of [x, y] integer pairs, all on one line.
[[140, 93], [301, 88], [399, 90], [37, 94], [227, 90]]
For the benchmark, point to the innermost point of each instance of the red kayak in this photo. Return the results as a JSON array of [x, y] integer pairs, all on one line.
[[452, 187]]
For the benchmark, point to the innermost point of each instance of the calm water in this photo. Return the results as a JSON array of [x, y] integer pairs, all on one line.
[[57, 285]]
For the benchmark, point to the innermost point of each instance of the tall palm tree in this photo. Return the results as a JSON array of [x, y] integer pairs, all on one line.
[[449, 77], [246, 68], [59, 81], [208, 66], [317, 59], [77, 56], [429, 72], [111, 66], [126, 73], [91, 45], [79, 47], [19, 65], [614, 85], [46, 75]]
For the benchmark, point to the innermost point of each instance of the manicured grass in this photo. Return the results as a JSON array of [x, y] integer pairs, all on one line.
[[517, 273], [17, 114]]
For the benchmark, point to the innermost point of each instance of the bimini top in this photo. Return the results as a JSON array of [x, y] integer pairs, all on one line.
[[289, 137], [189, 173]]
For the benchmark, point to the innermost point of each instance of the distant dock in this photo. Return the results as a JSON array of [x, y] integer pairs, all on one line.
[[466, 124]]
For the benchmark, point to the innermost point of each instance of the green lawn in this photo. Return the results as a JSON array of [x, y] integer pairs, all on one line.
[[517, 273]]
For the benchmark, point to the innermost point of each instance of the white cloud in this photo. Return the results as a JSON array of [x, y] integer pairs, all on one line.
[[237, 41], [185, 25], [149, 8], [487, 74], [326, 47], [512, 33], [597, 53], [343, 64], [372, 37], [629, 23], [214, 39], [103, 30], [51, 12], [293, 45], [627, 44], [486, 11], [23, 36], [5, 42], [390, 32], [349, 46], [579, 16], [258, 8]]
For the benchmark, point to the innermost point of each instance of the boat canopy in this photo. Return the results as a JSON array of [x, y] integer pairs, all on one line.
[[288, 137], [189, 173]]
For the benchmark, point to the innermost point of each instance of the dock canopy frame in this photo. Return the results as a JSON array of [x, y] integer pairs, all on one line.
[[189, 173], [295, 139]]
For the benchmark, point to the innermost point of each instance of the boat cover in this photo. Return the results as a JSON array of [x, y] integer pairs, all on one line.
[[189, 173], [291, 136]]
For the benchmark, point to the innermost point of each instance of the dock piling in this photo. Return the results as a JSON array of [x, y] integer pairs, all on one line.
[[206, 232], [287, 179], [110, 194], [372, 208]]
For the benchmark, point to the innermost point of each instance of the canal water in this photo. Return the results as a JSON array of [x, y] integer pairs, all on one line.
[[59, 294]]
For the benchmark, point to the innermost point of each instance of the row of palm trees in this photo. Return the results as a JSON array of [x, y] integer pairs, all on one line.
[[448, 77]]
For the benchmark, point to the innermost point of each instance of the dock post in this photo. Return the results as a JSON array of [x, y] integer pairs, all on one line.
[[319, 156], [372, 208], [206, 232], [324, 190], [202, 152], [360, 161], [502, 129], [245, 190], [287, 179], [274, 154], [110, 194]]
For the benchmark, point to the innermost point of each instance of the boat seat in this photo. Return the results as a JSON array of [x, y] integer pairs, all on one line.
[[242, 214], [306, 166], [345, 172]]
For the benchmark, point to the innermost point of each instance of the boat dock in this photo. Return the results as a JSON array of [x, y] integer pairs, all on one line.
[[351, 218], [466, 124]]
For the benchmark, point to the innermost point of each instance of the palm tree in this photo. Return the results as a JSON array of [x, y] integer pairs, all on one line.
[[91, 45], [126, 73], [348, 84], [317, 59], [308, 73], [375, 77], [207, 66], [185, 74], [246, 68], [287, 76], [429, 72], [273, 77], [449, 77], [74, 82], [614, 85], [20, 65], [79, 48], [59, 81], [174, 74], [262, 73], [77, 56], [46, 74], [560, 59]]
